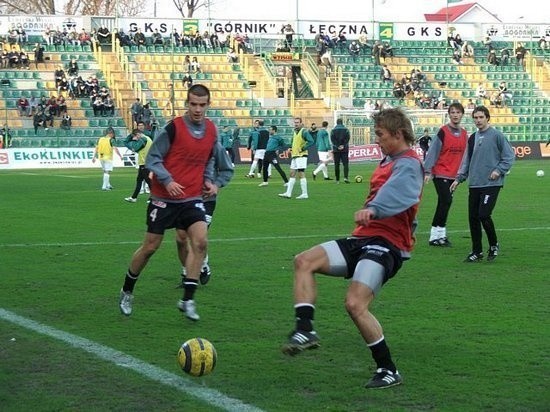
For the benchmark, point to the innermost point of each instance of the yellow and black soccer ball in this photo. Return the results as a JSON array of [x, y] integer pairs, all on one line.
[[197, 357], [358, 179]]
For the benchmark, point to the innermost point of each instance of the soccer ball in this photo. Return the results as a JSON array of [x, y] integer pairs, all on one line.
[[358, 179], [197, 357], [540, 173]]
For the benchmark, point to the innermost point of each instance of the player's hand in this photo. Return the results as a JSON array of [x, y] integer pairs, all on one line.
[[363, 216], [453, 186], [174, 189], [494, 175], [209, 189], [427, 179]]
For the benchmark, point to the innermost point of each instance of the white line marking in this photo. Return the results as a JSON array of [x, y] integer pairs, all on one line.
[[210, 396], [242, 239]]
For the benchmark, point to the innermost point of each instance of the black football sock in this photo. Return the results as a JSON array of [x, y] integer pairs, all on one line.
[[190, 286], [304, 317], [129, 281], [381, 355]]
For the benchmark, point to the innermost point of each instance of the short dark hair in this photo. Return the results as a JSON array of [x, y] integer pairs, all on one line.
[[339, 121], [456, 105], [199, 90], [324, 124], [482, 109], [274, 128]]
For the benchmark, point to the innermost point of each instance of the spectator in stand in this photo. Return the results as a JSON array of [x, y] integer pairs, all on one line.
[[49, 113], [387, 51], [58, 75], [84, 38], [48, 35], [39, 121], [52, 104], [23, 106], [543, 43], [481, 92], [63, 85], [385, 74], [492, 58], [398, 91], [109, 106], [488, 43], [364, 44], [156, 38], [496, 99], [187, 80], [5, 136], [505, 94], [521, 51], [354, 50], [457, 58], [103, 35], [61, 105], [72, 68], [195, 65], [33, 106], [139, 38], [5, 56], [22, 37], [175, 38], [215, 41], [66, 122], [13, 58], [136, 109], [377, 52], [288, 32], [187, 64], [73, 37], [471, 105], [232, 56], [38, 54], [98, 106], [124, 39], [504, 56], [467, 49], [24, 61]]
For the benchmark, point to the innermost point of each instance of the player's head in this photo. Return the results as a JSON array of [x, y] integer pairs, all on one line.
[[273, 129], [394, 120], [298, 123], [198, 90], [141, 125], [198, 101], [456, 106]]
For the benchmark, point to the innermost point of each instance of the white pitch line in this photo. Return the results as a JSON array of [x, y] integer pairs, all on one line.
[[243, 239], [210, 396]]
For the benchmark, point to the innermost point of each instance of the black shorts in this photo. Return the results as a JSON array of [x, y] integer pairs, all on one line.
[[162, 215], [376, 249]]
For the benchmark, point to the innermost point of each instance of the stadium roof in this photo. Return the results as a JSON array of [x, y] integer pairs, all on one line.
[[454, 14]]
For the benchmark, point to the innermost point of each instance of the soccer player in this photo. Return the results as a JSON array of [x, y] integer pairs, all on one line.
[[140, 144], [323, 148], [182, 160], [340, 137], [104, 152], [301, 140], [382, 239], [487, 159], [275, 144], [424, 142], [441, 164]]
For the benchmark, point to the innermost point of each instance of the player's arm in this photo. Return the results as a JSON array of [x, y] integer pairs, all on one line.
[[401, 191], [432, 155], [155, 157]]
